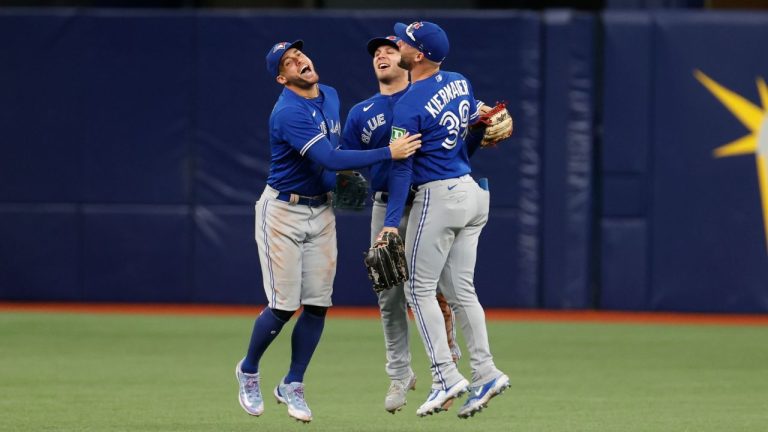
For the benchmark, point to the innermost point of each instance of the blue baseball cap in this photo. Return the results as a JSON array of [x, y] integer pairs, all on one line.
[[275, 54], [426, 37], [376, 42]]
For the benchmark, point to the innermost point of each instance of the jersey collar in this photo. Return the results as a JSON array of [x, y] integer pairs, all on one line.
[[290, 94]]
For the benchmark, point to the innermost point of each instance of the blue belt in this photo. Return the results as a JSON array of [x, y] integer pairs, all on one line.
[[314, 201], [384, 197]]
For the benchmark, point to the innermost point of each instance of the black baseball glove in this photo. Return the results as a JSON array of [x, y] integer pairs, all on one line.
[[351, 191], [385, 262]]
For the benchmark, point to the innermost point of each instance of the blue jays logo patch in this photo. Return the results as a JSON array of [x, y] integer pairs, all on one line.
[[279, 46], [411, 28]]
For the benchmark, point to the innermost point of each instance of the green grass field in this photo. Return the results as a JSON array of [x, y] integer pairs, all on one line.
[[70, 372]]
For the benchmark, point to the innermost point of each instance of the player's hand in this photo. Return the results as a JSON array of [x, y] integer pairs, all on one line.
[[405, 146], [380, 237]]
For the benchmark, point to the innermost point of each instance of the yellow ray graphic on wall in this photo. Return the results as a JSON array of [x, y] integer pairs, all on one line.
[[756, 120]]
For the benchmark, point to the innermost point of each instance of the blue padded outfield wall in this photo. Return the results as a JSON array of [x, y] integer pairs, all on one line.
[[684, 229], [134, 147]]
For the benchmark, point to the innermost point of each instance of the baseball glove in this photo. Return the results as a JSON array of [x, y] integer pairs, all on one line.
[[385, 262], [498, 125], [351, 191], [450, 330]]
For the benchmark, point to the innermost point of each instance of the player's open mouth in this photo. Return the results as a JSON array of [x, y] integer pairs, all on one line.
[[383, 66], [304, 70]]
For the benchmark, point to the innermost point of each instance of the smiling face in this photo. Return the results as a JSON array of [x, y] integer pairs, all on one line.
[[297, 70], [385, 61]]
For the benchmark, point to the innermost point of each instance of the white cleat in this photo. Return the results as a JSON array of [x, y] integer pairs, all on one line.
[[396, 395], [440, 400], [480, 395], [292, 394], [250, 391]]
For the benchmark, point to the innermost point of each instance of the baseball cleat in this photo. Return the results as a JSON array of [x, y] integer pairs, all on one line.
[[480, 395], [395, 399], [292, 394], [440, 400], [250, 391]]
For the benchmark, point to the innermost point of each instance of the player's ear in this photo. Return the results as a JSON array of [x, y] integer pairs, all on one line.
[[281, 80]]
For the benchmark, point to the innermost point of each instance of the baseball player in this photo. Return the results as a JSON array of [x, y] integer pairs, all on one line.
[[295, 226], [447, 215], [367, 126]]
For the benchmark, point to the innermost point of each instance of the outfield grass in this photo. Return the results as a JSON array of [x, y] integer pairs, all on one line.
[[70, 372]]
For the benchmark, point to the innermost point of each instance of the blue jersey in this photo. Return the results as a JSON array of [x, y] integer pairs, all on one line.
[[368, 127], [441, 108], [304, 135]]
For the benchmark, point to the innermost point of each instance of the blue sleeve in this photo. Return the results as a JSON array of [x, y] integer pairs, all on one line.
[[399, 185], [403, 120], [338, 160], [350, 138], [474, 137], [296, 128], [473, 104]]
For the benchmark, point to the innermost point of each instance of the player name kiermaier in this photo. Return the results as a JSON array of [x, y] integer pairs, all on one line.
[[451, 91]]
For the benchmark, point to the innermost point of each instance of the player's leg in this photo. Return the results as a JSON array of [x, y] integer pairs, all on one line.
[[457, 281], [278, 230], [273, 231], [457, 284], [304, 340], [394, 321], [428, 242], [394, 316], [318, 270]]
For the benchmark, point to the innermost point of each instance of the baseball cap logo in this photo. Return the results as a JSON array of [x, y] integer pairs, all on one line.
[[279, 46], [391, 38], [411, 28]]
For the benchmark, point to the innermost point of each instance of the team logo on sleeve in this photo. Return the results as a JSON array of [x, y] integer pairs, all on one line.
[[335, 127], [396, 133]]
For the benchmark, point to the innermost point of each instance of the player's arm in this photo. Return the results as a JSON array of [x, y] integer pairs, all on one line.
[[495, 122], [337, 160], [474, 138], [399, 184], [300, 132], [475, 134], [401, 172], [475, 105]]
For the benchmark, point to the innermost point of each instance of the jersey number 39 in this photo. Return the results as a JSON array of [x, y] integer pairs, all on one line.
[[456, 125]]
